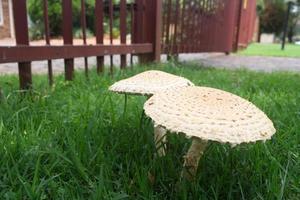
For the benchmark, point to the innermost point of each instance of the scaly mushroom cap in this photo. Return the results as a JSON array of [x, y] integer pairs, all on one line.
[[149, 83], [209, 114]]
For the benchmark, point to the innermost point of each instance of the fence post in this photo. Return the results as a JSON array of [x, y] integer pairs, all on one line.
[[99, 32], [230, 7], [238, 26], [138, 21], [47, 37], [21, 33], [68, 36], [123, 29], [152, 27]]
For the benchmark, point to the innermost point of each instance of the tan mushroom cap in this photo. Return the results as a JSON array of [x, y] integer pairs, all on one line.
[[209, 114], [149, 83]]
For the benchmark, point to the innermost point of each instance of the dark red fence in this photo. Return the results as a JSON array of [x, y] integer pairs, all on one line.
[[156, 26], [144, 44], [206, 25], [247, 23], [198, 25]]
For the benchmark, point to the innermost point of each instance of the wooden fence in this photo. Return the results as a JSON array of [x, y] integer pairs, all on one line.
[[157, 26]]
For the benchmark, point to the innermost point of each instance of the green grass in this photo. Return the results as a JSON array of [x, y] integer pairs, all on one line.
[[73, 142], [258, 49]]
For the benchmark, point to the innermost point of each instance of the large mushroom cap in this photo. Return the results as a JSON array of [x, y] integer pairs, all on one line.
[[149, 83], [209, 114]]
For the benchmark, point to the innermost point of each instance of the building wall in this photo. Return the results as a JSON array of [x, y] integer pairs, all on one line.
[[5, 27]]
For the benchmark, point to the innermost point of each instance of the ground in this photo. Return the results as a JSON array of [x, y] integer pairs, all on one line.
[[258, 49], [255, 63], [74, 141]]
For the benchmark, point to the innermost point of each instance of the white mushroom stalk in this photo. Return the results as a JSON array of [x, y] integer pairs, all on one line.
[[160, 139], [192, 158]]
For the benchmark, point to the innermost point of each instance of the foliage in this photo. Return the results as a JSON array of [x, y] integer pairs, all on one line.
[[260, 6], [73, 141], [295, 18], [115, 33], [55, 17], [36, 31], [55, 14], [78, 33], [273, 16]]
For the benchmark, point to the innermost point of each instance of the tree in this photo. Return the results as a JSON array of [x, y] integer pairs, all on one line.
[[272, 15], [55, 15], [294, 18]]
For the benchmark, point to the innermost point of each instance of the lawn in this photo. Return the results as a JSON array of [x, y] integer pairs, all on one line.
[[73, 141], [257, 49]]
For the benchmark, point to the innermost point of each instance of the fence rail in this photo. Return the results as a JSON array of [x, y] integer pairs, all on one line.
[[36, 53], [155, 27]]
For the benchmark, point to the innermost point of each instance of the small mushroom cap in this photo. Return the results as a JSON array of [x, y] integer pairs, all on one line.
[[209, 114], [149, 83]]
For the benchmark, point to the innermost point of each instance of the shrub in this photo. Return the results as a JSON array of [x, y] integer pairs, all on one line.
[[55, 15], [36, 31], [272, 18], [78, 33]]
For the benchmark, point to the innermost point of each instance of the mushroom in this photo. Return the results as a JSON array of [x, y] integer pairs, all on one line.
[[148, 83], [208, 114]]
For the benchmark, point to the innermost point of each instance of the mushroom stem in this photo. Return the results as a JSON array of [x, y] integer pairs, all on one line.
[[143, 113], [191, 159], [160, 140]]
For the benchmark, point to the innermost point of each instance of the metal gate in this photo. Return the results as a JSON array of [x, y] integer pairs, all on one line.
[[247, 23], [200, 25]]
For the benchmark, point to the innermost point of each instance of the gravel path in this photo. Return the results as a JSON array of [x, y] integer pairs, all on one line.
[[40, 67], [257, 63]]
